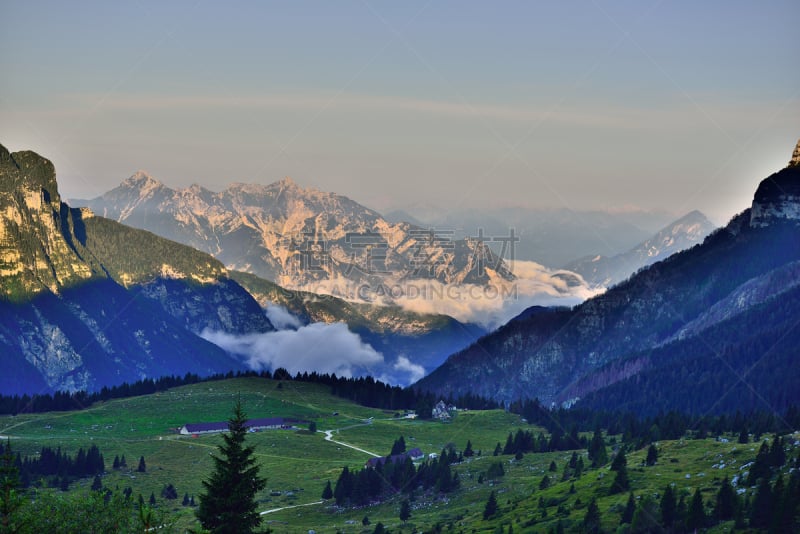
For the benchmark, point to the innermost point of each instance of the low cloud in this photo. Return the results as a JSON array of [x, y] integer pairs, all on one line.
[[404, 365], [489, 305], [325, 348], [280, 317]]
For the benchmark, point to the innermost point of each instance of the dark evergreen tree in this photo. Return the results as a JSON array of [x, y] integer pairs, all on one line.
[[591, 521], [762, 507], [619, 461], [553, 467], [621, 482], [115, 465], [544, 483], [696, 516], [669, 507], [405, 511], [97, 484], [491, 507], [10, 498], [142, 465], [327, 493], [597, 450], [652, 455], [228, 503], [468, 452], [365, 521], [312, 427], [152, 499], [122, 462], [169, 492], [399, 446], [777, 454], [185, 501], [726, 503], [761, 468], [744, 437], [497, 450], [630, 508], [379, 529]]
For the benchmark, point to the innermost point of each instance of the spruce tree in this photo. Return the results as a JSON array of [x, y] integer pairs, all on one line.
[[597, 450], [696, 517], [669, 507], [621, 482], [142, 465], [725, 507], [405, 511], [763, 504], [327, 493], [630, 508], [228, 503], [468, 452], [491, 506], [652, 455], [591, 521], [619, 461], [10, 499]]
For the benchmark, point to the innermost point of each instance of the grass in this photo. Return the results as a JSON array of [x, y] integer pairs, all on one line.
[[297, 463]]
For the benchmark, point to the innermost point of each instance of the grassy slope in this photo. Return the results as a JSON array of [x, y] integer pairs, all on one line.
[[300, 463]]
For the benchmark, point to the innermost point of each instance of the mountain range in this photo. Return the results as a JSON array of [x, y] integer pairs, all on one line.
[[712, 328], [89, 302], [300, 238], [681, 234]]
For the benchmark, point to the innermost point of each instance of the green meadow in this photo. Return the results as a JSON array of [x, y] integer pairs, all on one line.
[[297, 463]]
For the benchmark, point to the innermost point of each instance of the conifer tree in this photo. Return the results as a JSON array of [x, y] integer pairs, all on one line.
[[597, 450], [652, 455], [630, 508], [405, 511], [228, 502], [591, 521], [142, 465], [10, 499], [468, 452], [725, 507], [762, 507], [327, 493], [696, 517], [669, 507], [491, 506], [619, 461], [621, 482]]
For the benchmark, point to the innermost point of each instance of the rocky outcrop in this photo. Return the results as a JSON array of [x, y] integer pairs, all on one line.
[[778, 196], [87, 302]]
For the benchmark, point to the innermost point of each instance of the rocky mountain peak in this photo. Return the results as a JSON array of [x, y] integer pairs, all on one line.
[[795, 161], [142, 179], [778, 196]]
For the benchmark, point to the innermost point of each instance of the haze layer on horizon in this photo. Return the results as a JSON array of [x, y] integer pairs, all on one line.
[[590, 105]]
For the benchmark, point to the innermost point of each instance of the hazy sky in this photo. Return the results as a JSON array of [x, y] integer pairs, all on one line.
[[658, 105]]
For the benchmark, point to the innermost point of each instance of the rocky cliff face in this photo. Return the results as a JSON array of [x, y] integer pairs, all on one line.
[[300, 238], [778, 196], [87, 302]]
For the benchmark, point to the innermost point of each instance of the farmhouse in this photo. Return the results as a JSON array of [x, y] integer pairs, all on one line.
[[443, 412], [253, 425]]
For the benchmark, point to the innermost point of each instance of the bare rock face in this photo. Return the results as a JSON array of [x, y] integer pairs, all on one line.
[[795, 161], [778, 196]]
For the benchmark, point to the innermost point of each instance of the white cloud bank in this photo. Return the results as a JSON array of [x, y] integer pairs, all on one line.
[[325, 348], [281, 318], [490, 305]]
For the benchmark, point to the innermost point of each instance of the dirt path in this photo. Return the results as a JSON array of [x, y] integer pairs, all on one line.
[[329, 437], [290, 507]]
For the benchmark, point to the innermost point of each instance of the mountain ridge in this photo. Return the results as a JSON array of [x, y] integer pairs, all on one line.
[[545, 354]]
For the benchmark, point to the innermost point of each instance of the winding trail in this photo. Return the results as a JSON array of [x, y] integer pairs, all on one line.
[[290, 507], [329, 437]]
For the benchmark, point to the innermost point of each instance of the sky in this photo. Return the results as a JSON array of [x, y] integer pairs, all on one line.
[[649, 105]]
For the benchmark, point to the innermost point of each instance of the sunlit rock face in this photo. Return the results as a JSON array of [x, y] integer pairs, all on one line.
[[778, 196]]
